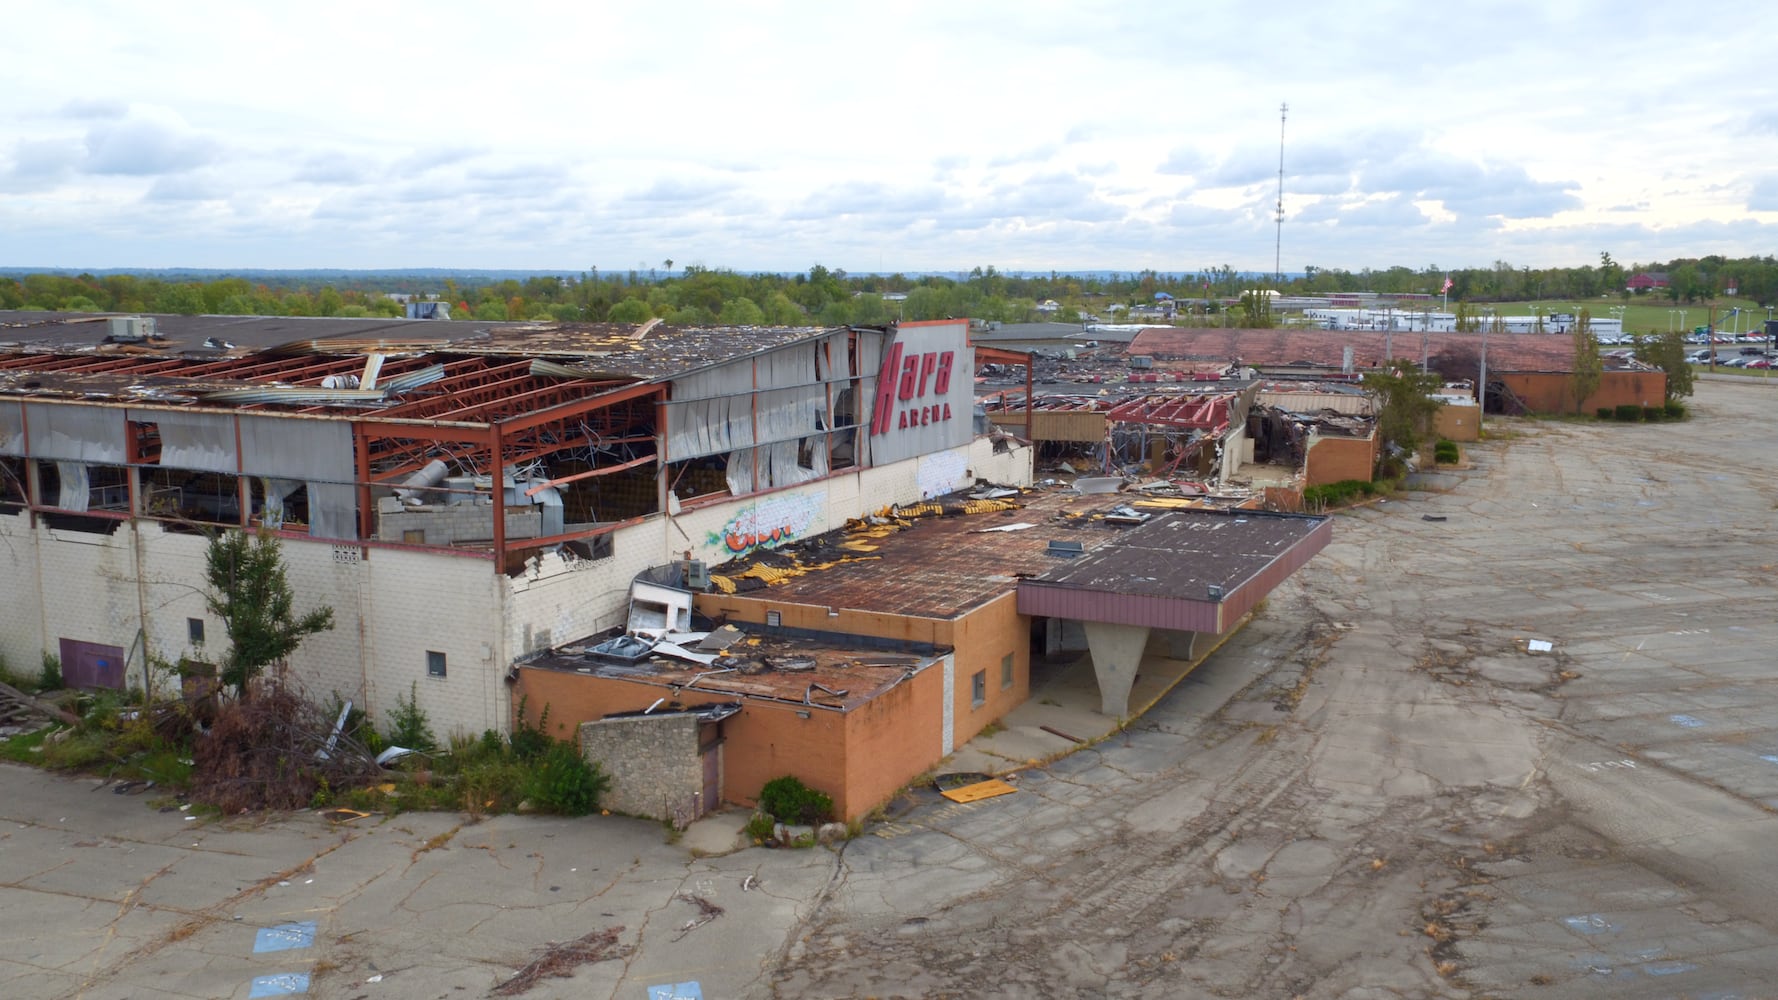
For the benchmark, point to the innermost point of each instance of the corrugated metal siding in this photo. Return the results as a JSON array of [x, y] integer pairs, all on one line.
[[1119, 609], [1308, 402], [1180, 612]]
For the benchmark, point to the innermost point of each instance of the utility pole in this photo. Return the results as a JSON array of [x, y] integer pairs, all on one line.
[[1278, 247]]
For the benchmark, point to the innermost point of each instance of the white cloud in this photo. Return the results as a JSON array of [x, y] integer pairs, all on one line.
[[1034, 134]]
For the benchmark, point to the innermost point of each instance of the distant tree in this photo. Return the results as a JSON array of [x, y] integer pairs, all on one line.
[[250, 592], [781, 311], [1467, 320], [1588, 367], [186, 300], [630, 311], [1666, 351], [741, 312], [1256, 310]]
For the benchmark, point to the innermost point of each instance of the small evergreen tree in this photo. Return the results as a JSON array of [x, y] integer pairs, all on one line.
[[251, 594]]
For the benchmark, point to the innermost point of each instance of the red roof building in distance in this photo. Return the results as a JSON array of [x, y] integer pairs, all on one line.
[[1644, 281], [1327, 348]]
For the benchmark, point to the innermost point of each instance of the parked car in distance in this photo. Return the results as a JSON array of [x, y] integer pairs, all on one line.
[[1759, 363]]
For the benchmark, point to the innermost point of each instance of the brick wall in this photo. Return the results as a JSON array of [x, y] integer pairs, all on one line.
[[982, 639], [1552, 392], [1457, 423], [653, 763], [892, 740], [1332, 459]]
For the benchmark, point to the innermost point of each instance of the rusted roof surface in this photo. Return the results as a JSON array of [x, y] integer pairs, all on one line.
[[941, 567], [600, 350], [1183, 554], [1326, 348], [789, 669]]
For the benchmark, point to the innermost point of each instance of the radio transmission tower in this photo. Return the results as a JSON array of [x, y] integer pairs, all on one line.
[[1278, 248]]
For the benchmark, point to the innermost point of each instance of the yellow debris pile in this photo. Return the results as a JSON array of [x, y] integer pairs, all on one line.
[[774, 566]]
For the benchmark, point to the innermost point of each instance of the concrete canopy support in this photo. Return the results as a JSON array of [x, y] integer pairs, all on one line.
[[1177, 644], [1117, 652]]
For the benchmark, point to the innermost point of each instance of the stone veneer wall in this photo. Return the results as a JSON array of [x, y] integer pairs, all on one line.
[[653, 764]]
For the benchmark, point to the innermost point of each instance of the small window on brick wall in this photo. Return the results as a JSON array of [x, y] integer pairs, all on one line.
[[194, 630], [435, 664], [1006, 671], [978, 689]]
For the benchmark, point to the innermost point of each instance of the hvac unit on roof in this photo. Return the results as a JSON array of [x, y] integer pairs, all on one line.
[[129, 329]]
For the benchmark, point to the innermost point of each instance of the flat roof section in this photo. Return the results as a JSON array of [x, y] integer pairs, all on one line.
[[1189, 570], [821, 672], [941, 566]]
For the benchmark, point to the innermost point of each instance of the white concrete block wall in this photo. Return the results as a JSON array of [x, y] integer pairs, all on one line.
[[21, 599], [413, 602], [90, 591], [393, 606]]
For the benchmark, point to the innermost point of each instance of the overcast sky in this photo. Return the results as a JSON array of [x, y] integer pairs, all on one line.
[[920, 136]]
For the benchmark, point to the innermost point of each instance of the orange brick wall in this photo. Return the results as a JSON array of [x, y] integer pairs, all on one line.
[[1336, 459], [891, 740], [764, 741], [981, 638], [1552, 392], [1457, 423]]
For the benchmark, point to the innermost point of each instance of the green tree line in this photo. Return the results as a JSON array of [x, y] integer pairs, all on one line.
[[823, 297]]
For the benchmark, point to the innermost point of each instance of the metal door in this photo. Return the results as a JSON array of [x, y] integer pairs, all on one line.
[[91, 665]]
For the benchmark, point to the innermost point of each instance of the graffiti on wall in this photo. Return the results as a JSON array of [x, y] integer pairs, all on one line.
[[768, 523]]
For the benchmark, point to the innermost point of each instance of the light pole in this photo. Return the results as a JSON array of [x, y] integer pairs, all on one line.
[[1682, 326]]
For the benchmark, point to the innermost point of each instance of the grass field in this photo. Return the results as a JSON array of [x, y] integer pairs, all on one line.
[[1641, 315]]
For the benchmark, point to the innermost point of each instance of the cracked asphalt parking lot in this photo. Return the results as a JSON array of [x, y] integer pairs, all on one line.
[[1375, 790]]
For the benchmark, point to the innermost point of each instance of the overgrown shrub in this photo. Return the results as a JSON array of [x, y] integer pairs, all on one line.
[[760, 827], [1653, 412], [530, 741], [1674, 409], [49, 678], [1603, 412], [562, 781], [408, 725], [1334, 494], [1628, 411], [791, 801], [1446, 453]]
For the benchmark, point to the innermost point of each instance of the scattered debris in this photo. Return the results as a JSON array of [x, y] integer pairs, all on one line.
[[1433, 517], [342, 815], [992, 788], [707, 911], [1539, 646], [750, 883], [558, 961], [1057, 732], [721, 639]]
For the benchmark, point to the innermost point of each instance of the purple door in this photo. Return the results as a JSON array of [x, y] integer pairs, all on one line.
[[712, 778], [91, 665]]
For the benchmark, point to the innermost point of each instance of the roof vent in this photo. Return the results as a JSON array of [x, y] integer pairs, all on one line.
[[1065, 550], [1215, 592]]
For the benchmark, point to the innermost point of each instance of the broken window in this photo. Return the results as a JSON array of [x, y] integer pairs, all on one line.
[[435, 663], [978, 689], [12, 485], [1006, 671]]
